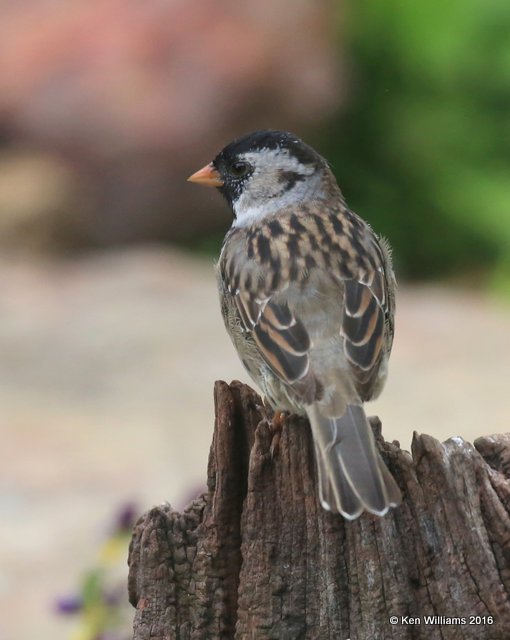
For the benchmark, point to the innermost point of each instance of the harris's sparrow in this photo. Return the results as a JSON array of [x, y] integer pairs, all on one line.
[[308, 296]]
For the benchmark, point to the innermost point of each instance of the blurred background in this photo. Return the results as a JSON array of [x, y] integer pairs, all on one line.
[[110, 331]]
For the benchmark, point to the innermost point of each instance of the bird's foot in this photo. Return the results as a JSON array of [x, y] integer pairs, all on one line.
[[276, 426]]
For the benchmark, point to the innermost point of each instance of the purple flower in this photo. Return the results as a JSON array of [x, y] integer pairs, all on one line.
[[126, 518], [67, 605]]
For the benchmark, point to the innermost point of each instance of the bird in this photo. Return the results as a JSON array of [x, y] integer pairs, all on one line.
[[307, 294]]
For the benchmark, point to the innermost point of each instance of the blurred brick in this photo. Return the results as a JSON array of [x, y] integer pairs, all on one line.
[[137, 95]]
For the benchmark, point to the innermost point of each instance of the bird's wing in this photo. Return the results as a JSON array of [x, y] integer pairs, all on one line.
[[283, 252], [280, 336], [253, 276], [367, 324]]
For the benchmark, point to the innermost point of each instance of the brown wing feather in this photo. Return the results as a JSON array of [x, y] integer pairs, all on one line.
[[281, 338], [367, 322]]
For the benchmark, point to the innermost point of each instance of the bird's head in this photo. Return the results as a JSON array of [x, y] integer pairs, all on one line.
[[264, 172]]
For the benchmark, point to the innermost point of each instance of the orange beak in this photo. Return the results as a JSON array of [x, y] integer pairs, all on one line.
[[208, 177]]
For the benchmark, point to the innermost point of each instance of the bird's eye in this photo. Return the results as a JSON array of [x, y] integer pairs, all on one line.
[[239, 169]]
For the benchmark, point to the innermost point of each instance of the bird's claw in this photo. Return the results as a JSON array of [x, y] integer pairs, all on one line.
[[275, 425]]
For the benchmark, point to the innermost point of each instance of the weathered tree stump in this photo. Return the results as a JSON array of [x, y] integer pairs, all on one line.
[[257, 557]]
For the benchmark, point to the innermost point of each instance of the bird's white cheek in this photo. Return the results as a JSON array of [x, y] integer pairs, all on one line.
[[250, 207], [245, 216]]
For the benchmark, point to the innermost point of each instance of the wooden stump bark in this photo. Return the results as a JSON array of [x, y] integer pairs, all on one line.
[[257, 557]]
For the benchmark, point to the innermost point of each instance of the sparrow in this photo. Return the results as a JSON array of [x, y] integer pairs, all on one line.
[[307, 294]]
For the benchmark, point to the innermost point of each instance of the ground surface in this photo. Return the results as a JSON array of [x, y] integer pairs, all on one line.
[[107, 365]]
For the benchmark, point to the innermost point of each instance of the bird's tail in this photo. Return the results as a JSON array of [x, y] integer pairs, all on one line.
[[352, 475]]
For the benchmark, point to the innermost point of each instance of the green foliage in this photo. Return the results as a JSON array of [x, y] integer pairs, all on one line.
[[422, 148]]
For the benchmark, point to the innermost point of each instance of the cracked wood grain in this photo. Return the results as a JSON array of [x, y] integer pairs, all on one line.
[[257, 557]]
